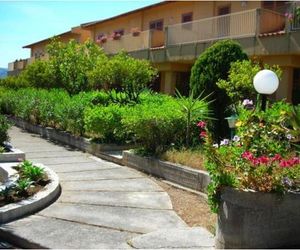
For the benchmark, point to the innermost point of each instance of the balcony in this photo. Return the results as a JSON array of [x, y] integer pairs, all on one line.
[[14, 68], [236, 25], [143, 40]]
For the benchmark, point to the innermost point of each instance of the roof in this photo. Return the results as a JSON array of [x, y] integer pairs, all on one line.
[[90, 24], [44, 40]]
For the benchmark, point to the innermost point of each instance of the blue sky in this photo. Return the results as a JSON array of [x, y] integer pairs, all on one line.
[[25, 22]]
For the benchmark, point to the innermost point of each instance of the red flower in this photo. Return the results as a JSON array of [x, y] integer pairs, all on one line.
[[263, 159], [248, 155], [277, 157], [201, 124]]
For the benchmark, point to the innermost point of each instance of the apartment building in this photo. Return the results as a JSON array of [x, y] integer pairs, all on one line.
[[38, 49], [172, 34]]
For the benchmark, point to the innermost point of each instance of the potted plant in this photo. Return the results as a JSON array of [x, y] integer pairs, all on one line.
[[135, 31], [101, 39], [116, 36], [255, 180]]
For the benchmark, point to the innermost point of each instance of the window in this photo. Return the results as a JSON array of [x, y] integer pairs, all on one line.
[[187, 17], [156, 25]]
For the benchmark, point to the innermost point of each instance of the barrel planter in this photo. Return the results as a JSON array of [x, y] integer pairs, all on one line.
[[258, 220]]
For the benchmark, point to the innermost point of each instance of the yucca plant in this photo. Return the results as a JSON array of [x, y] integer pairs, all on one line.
[[22, 186], [32, 172], [194, 108]]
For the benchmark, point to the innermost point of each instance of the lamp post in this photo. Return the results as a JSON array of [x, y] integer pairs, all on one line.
[[265, 83]]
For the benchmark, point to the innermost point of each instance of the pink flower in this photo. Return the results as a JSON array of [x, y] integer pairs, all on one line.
[[203, 134], [201, 124]]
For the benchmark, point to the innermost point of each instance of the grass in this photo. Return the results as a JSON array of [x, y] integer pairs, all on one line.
[[188, 157]]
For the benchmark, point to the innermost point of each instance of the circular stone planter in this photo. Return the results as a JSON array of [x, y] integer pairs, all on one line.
[[34, 203], [258, 220]]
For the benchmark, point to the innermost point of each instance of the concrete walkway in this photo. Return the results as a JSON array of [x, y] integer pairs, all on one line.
[[102, 205]]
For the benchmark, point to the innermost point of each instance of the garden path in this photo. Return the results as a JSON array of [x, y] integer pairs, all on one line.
[[102, 205]]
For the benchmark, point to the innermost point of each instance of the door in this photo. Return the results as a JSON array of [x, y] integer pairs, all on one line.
[[223, 21]]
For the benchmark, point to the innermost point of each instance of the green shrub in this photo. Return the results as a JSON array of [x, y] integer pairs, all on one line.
[[212, 65], [156, 127], [4, 126], [239, 85], [104, 123], [13, 82], [39, 74]]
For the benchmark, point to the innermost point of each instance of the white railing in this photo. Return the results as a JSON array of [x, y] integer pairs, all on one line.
[[234, 25], [295, 22], [127, 43]]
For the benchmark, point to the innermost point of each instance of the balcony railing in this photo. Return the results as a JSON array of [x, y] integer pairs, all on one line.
[[127, 43], [236, 25], [295, 22]]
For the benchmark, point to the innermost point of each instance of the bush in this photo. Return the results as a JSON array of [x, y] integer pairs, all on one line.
[[239, 85], [212, 65], [4, 126], [38, 74], [13, 82], [104, 123], [156, 127]]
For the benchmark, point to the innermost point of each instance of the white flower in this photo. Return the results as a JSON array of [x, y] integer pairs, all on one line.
[[247, 102], [216, 145], [236, 138], [289, 136], [224, 142]]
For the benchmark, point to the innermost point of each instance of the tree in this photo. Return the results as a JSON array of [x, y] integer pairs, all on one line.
[[214, 64], [71, 61], [130, 75]]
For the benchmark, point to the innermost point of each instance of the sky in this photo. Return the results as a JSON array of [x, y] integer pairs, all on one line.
[[25, 22]]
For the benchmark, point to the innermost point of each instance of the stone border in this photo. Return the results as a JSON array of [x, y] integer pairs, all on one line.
[[179, 174], [35, 203], [79, 142], [14, 155]]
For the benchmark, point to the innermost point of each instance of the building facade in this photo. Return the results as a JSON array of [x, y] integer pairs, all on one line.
[[173, 34]]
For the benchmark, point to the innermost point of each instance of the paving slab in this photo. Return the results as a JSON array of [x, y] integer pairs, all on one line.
[[61, 153], [105, 174], [120, 218], [185, 238], [151, 200], [127, 185], [62, 160], [42, 232], [83, 166]]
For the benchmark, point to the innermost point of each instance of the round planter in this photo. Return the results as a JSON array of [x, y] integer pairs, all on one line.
[[258, 220]]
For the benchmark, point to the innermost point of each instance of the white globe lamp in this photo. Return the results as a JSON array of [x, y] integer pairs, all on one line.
[[265, 83]]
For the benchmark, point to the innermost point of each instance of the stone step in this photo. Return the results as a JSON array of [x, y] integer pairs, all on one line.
[[183, 238]]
